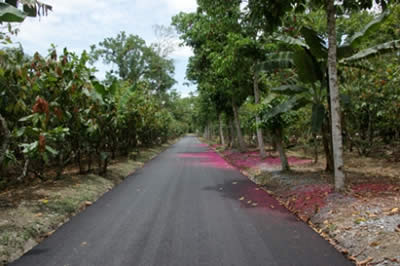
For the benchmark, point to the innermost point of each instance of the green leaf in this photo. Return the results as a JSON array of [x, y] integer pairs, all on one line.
[[291, 41], [9, 13], [379, 49], [359, 37], [274, 61], [30, 10], [350, 44], [100, 88], [294, 103], [26, 118], [51, 150], [12, 2], [315, 42], [113, 88], [307, 68], [19, 132], [29, 148]]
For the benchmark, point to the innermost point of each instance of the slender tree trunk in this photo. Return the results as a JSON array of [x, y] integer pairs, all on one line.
[[326, 141], [258, 120], [281, 149], [242, 144], [6, 138], [24, 171], [221, 130], [315, 148], [105, 165], [335, 100], [229, 134], [233, 139]]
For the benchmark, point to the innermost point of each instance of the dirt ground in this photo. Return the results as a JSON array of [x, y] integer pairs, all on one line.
[[30, 213], [363, 221]]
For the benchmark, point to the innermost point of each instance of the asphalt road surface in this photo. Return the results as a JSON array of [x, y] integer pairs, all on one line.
[[185, 207]]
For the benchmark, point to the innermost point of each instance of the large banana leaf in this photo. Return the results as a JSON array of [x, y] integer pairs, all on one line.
[[274, 61], [351, 43], [291, 41], [379, 49], [294, 103], [9, 13], [316, 43], [308, 69]]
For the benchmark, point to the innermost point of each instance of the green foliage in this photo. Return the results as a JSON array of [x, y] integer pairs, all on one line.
[[285, 50], [135, 61], [58, 113]]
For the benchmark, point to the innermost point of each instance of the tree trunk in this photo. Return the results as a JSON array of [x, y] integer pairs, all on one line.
[[6, 138], [326, 141], [105, 165], [24, 171], [233, 139], [221, 131], [242, 145], [259, 131], [335, 100], [315, 148], [281, 149]]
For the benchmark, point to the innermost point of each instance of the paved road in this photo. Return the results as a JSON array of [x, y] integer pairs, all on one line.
[[184, 208]]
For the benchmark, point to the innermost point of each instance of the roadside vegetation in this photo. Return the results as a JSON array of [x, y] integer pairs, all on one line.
[[264, 76], [55, 113], [67, 137], [304, 98]]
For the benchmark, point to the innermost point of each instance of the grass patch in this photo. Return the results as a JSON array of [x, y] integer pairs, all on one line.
[[64, 206]]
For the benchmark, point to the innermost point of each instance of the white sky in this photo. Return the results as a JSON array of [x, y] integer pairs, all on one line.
[[77, 24]]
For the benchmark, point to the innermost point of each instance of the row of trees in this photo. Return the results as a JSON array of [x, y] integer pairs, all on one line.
[[54, 112], [274, 67]]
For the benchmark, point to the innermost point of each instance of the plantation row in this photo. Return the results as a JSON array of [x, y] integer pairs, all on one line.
[[54, 113], [297, 73]]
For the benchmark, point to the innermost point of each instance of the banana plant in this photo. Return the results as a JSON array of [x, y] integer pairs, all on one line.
[[9, 11], [309, 54], [309, 58], [276, 116]]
